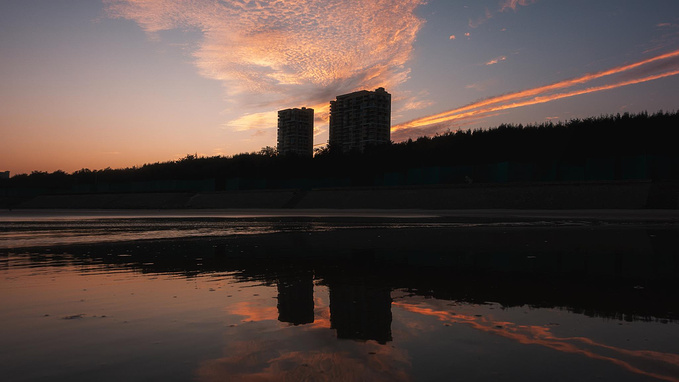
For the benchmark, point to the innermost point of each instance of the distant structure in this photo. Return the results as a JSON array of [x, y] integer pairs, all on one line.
[[4, 174], [296, 131], [360, 119]]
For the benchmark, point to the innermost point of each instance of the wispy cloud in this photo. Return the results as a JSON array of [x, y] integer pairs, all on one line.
[[482, 85], [496, 60], [481, 20], [269, 53], [253, 121], [661, 66], [478, 86], [512, 4], [504, 6], [412, 104], [667, 36]]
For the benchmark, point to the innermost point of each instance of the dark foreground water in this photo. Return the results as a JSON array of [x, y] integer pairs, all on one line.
[[336, 297]]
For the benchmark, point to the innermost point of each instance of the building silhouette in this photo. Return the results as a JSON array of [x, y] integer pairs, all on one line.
[[296, 131], [4, 174], [359, 120]]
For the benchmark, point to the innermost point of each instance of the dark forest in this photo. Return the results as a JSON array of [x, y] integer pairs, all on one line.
[[613, 147]]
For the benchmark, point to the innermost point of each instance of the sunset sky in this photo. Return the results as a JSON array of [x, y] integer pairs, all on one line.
[[117, 83]]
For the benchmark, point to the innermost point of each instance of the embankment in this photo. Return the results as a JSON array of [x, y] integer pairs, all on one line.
[[551, 196]]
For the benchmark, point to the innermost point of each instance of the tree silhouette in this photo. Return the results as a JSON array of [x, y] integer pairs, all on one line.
[[611, 147]]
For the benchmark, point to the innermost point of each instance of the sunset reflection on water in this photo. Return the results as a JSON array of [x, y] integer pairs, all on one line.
[[376, 300]]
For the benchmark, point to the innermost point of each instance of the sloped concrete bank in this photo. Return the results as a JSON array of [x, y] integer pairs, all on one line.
[[554, 196], [108, 201], [517, 196]]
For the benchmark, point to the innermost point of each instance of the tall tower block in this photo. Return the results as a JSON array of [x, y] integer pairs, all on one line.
[[359, 120], [296, 131]]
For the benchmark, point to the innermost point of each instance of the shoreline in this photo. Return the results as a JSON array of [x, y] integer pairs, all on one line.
[[611, 216]]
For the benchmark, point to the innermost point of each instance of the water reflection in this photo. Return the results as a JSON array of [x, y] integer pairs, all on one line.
[[641, 362], [360, 311], [620, 274], [296, 298], [343, 303]]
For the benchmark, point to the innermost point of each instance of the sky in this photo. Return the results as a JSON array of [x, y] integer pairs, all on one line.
[[120, 83]]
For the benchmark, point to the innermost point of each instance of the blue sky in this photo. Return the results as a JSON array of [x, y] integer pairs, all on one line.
[[117, 83]]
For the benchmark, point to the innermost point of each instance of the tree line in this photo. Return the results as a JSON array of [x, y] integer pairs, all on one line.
[[569, 143]]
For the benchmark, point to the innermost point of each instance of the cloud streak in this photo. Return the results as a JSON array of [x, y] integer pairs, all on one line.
[[661, 66], [270, 54]]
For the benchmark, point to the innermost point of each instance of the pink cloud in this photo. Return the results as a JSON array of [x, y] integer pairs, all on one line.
[[270, 52]]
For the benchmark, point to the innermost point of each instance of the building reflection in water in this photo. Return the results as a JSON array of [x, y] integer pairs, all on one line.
[[361, 312], [357, 310], [296, 299], [555, 276]]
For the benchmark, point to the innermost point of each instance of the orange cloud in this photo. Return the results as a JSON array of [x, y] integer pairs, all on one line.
[[543, 94], [272, 52]]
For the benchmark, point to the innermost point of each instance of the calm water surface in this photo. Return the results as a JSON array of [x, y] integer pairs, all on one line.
[[337, 298]]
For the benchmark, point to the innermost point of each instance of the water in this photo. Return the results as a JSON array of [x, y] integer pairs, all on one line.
[[336, 296]]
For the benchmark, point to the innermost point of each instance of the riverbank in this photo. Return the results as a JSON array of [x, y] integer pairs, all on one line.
[[628, 195]]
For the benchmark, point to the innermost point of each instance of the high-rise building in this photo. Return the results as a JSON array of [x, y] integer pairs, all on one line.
[[296, 131], [359, 120]]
